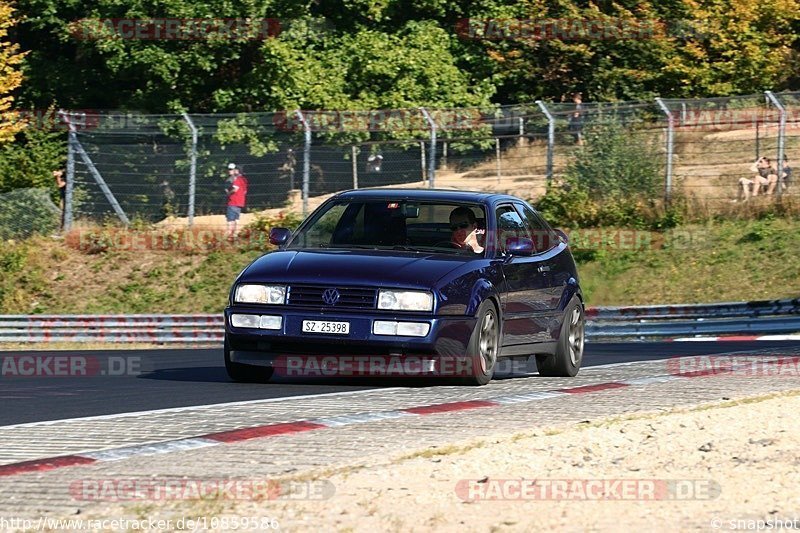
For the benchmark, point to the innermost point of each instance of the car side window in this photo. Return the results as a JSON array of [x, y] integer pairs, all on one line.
[[510, 227], [544, 238]]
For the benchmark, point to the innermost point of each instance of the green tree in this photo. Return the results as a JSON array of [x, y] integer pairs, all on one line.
[[615, 179]]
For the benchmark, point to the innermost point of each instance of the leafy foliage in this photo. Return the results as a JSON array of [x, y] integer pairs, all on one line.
[[10, 75], [359, 54], [612, 181], [25, 212], [31, 159]]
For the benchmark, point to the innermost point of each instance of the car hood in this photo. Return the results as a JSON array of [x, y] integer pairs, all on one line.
[[352, 267]]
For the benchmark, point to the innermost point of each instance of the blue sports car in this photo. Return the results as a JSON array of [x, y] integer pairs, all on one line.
[[427, 282]]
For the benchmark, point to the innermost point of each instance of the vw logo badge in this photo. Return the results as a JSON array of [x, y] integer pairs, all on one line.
[[330, 296]]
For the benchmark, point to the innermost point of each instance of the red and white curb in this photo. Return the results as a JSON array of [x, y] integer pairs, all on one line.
[[738, 338], [291, 428]]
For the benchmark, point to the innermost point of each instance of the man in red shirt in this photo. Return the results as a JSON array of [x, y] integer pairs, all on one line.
[[236, 189]]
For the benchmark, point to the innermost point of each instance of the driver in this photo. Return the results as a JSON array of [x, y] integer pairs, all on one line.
[[464, 227]]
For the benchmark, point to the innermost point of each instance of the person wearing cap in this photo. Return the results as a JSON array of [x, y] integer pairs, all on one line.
[[236, 189]]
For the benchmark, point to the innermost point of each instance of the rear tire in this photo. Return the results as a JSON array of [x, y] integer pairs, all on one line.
[[484, 345], [566, 362], [245, 373]]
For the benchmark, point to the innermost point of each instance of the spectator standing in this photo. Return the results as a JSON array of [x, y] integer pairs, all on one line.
[[167, 199], [576, 119], [374, 162], [62, 192], [236, 189]]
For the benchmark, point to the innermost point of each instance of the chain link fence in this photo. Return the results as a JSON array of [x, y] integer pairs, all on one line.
[[171, 169]]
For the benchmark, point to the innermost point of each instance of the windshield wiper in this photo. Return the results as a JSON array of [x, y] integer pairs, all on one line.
[[433, 249], [357, 246]]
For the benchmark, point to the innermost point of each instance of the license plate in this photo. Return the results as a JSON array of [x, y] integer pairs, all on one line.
[[326, 326]]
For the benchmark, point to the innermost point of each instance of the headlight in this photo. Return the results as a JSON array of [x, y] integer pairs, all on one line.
[[261, 294], [405, 300]]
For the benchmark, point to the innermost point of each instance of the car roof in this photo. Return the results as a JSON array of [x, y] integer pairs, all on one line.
[[445, 195]]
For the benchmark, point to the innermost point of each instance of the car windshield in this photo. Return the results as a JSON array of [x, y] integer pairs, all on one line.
[[439, 227]]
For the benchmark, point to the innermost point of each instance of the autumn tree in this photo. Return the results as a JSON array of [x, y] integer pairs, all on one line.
[[10, 75]]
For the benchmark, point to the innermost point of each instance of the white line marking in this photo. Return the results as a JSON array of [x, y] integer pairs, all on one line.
[[627, 363], [649, 380], [337, 421], [779, 338], [197, 407], [118, 454], [520, 398]]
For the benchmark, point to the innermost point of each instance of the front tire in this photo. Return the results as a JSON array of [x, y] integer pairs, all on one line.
[[566, 362], [245, 373], [484, 345]]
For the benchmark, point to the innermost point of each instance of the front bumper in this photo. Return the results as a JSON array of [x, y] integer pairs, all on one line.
[[448, 336]]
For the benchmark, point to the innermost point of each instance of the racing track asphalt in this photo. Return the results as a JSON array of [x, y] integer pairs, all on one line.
[[167, 378]]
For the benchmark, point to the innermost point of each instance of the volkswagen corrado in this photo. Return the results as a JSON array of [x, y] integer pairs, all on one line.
[[428, 276]]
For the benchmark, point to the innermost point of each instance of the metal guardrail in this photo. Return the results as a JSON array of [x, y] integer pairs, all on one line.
[[112, 328], [752, 309], [756, 317], [694, 327], [731, 318]]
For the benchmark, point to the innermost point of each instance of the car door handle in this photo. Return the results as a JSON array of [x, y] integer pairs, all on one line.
[[544, 268]]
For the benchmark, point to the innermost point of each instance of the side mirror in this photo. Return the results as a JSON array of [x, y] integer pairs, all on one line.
[[520, 246], [563, 236], [279, 236]]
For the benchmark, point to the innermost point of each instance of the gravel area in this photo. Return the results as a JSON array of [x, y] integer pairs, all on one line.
[[739, 461]]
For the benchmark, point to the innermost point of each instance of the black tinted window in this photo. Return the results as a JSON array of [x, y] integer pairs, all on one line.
[[543, 236], [510, 227]]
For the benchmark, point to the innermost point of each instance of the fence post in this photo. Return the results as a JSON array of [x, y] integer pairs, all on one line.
[[432, 155], [670, 148], [551, 139], [192, 168], [93, 170], [70, 183], [306, 159], [422, 161], [781, 137], [758, 140], [497, 155], [353, 156]]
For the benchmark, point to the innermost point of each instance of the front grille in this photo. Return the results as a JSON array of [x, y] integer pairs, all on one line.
[[349, 297]]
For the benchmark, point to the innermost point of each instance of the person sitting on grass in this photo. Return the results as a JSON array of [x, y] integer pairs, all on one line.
[[765, 175]]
